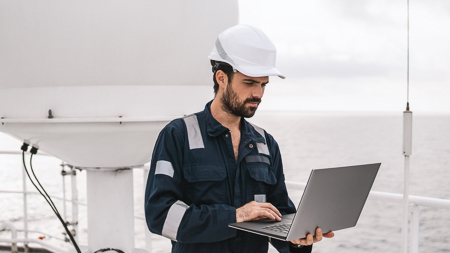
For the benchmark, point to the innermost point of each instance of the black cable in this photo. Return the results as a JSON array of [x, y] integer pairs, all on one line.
[[109, 249], [28, 174], [49, 200], [52, 205]]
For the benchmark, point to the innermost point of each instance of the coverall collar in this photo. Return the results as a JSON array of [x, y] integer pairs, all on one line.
[[214, 128]]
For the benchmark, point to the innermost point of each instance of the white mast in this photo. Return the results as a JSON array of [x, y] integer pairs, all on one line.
[[407, 150]]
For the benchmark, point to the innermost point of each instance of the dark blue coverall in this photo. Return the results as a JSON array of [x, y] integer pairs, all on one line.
[[195, 185]]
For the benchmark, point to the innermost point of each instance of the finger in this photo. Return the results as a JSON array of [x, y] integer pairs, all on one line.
[[264, 212], [303, 242], [318, 236], [271, 207], [269, 214], [329, 235], [309, 239], [297, 241], [276, 216]]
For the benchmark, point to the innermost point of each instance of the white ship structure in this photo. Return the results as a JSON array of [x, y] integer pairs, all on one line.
[[93, 83]]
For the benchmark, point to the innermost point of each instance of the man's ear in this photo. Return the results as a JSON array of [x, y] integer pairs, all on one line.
[[222, 79]]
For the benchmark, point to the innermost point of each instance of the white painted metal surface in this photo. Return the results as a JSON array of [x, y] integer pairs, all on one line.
[[110, 42], [93, 60], [12, 228], [415, 224], [106, 69], [110, 209], [407, 133], [92, 144]]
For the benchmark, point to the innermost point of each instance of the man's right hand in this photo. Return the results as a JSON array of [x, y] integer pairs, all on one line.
[[256, 211]]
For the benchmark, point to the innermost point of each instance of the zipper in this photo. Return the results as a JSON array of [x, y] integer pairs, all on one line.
[[225, 157]]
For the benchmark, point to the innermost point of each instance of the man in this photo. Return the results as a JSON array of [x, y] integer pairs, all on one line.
[[213, 168]]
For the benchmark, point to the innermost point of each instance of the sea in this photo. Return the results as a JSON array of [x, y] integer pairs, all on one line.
[[308, 140]]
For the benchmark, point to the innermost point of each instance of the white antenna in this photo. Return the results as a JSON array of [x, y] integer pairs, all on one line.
[[407, 150], [407, 60]]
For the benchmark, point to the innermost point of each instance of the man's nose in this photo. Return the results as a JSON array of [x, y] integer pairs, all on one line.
[[258, 91]]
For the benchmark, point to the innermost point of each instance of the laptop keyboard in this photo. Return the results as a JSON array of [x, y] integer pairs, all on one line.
[[282, 228]]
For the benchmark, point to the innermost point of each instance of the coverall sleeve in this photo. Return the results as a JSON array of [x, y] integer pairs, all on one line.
[[166, 212], [278, 196]]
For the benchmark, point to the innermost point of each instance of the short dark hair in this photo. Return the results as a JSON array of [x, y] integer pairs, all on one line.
[[225, 67]]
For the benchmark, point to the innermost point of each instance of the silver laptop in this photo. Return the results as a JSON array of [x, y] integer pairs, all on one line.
[[332, 200]]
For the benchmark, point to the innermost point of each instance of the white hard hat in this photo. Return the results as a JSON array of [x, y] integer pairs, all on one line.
[[248, 50]]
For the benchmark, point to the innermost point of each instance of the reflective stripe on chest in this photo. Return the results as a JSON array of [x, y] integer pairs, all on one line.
[[262, 147], [193, 131]]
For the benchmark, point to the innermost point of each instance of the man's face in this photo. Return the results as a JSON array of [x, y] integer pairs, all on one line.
[[243, 94]]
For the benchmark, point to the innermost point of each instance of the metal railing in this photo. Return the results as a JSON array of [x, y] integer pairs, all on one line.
[[74, 201], [415, 202], [26, 240]]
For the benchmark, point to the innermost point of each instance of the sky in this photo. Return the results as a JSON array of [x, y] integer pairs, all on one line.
[[344, 55]]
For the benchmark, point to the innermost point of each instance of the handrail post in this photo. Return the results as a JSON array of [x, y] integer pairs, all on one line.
[[63, 176], [73, 176], [25, 209], [148, 234], [13, 229]]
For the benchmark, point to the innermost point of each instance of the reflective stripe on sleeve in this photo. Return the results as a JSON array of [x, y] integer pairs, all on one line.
[[193, 131], [164, 168], [173, 220]]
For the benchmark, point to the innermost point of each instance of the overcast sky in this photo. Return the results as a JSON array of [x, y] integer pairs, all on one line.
[[348, 55]]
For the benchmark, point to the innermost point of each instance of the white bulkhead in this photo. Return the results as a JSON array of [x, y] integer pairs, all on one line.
[[112, 72]]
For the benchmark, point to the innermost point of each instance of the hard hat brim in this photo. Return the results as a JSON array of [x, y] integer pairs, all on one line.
[[259, 71]]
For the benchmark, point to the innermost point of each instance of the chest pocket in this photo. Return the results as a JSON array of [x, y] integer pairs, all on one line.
[[262, 178], [205, 184]]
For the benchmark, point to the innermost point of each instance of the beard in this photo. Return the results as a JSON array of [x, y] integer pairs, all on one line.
[[232, 104]]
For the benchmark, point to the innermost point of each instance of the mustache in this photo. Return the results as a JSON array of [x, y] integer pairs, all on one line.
[[252, 99]]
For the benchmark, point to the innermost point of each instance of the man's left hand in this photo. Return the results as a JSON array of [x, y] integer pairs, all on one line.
[[310, 239]]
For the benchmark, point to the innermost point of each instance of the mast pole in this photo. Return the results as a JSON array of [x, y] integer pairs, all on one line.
[[407, 150]]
